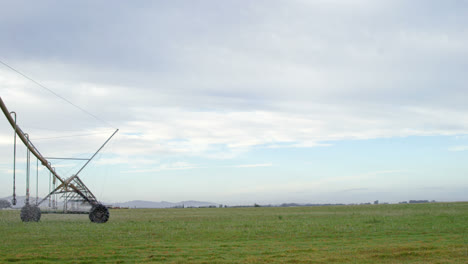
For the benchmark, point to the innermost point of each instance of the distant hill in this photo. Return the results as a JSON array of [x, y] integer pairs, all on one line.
[[131, 204], [163, 204]]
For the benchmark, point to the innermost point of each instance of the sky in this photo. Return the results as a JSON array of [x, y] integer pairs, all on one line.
[[241, 102]]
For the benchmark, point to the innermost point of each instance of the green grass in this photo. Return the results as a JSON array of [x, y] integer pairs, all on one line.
[[406, 233]]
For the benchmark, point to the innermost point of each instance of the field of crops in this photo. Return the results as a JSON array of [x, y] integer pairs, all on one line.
[[405, 233]]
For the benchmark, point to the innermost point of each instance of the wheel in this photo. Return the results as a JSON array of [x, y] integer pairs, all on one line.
[[99, 214], [30, 213]]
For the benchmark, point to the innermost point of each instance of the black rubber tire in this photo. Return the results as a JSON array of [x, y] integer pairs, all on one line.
[[30, 213], [99, 214]]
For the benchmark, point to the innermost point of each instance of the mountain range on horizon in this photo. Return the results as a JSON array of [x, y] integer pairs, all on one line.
[[162, 204]]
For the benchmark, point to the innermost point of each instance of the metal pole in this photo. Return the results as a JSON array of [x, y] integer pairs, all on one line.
[[37, 181], [48, 158], [54, 198], [28, 157], [13, 201], [50, 183]]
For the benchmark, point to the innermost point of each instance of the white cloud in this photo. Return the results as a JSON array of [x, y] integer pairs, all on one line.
[[458, 148], [253, 165], [180, 131], [6, 140], [166, 167]]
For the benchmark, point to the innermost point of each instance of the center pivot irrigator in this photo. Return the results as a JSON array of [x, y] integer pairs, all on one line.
[[72, 188]]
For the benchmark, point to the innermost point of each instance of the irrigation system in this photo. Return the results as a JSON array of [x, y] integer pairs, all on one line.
[[71, 190]]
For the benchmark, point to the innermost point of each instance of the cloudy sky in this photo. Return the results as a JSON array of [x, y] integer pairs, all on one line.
[[242, 102]]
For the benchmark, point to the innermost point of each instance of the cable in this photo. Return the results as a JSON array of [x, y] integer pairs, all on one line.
[[54, 93]]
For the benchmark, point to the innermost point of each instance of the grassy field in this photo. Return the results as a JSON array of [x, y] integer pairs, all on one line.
[[406, 233]]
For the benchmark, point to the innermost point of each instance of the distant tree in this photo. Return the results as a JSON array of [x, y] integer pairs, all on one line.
[[256, 205], [5, 204]]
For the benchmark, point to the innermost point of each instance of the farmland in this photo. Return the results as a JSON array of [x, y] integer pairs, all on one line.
[[403, 233]]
